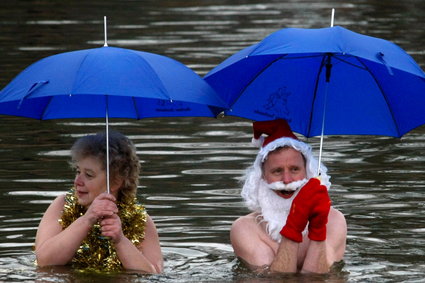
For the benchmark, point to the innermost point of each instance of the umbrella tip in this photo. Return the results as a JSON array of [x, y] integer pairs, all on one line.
[[106, 32], [332, 17]]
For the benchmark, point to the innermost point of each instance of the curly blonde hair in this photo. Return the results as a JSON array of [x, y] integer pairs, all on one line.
[[123, 160]]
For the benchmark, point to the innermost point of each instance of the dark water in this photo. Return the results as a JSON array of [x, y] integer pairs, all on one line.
[[191, 165]]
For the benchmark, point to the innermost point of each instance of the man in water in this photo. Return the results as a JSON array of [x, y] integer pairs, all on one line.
[[292, 227]]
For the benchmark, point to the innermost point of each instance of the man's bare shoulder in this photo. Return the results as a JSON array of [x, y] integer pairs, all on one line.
[[250, 225], [248, 219], [337, 216], [250, 242]]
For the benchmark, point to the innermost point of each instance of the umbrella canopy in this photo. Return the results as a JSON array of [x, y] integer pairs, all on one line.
[[108, 82], [122, 83], [324, 81]]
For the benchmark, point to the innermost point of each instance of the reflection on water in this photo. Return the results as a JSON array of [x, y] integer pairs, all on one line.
[[191, 166]]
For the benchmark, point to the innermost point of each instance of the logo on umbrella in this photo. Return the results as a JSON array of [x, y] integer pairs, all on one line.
[[168, 106], [276, 105]]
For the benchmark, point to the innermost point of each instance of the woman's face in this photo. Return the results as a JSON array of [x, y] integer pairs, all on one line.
[[90, 180]]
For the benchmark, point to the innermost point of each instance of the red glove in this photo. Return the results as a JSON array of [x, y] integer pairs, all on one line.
[[319, 216], [311, 204]]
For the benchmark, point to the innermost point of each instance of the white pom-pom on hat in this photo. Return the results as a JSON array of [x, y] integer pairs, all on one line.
[[258, 142]]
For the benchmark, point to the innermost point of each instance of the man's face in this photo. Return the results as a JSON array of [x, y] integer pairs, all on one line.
[[285, 165]]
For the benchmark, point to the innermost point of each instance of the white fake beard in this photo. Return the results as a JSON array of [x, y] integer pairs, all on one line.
[[275, 209]]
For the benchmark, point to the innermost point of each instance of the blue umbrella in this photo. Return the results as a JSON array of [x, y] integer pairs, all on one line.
[[324, 81], [108, 82], [126, 83]]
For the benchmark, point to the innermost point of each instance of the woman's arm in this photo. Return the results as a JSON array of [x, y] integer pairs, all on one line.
[[54, 246], [146, 257]]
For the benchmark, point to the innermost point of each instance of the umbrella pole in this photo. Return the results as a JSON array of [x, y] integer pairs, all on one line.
[[107, 147], [328, 74], [328, 66], [323, 130], [106, 119]]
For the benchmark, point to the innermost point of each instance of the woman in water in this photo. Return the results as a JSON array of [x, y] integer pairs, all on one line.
[[92, 229]]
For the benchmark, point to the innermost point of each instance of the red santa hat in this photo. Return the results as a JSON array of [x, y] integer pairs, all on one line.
[[274, 129], [273, 134]]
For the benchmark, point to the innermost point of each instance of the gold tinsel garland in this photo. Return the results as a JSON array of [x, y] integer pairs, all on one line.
[[96, 252]]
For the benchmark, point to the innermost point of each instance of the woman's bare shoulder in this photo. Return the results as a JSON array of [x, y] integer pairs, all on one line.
[[57, 204], [59, 200]]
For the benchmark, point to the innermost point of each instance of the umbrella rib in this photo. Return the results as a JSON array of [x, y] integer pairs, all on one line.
[[78, 70], [163, 90], [315, 95], [349, 63], [45, 108], [383, 94], [256, 76], [135, 107]]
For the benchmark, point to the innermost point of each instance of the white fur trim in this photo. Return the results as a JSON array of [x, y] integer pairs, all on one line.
[[258, 142], [253, 173]]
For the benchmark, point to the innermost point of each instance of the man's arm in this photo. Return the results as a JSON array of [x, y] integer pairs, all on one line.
[[317, 258], [286, 257], [248, 242], [320, 255], [312, 206]]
